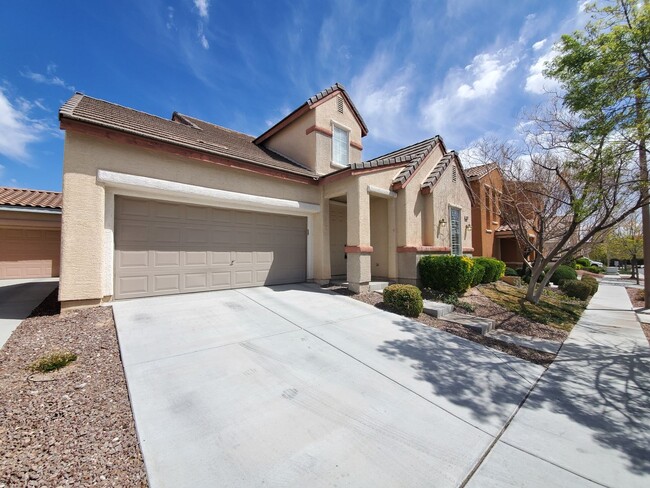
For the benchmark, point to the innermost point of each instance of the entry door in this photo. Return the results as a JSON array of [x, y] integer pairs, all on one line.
[[456, 238]]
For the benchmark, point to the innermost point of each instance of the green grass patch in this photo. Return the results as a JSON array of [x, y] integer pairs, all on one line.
[[53, 361], [553, 309]]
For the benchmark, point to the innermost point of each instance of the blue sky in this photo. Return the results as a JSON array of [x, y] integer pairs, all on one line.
[[462, 69]]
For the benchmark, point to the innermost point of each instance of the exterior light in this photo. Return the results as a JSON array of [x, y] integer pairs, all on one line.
[[442, 222], [468, 226]]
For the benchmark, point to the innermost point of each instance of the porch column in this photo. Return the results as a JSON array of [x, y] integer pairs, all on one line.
[[358, 246]]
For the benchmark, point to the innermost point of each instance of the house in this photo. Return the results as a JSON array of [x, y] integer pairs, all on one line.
[[491, 235], [161, 206], [30, 233]]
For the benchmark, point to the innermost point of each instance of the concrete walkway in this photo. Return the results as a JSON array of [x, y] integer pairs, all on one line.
[[587, 421], [296, 386], [17, 300]]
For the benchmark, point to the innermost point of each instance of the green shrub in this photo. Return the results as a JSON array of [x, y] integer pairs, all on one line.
[[593, 269], [563, 272], [527, 274], [511, 272], [449, 274], [576, 289], [494, 269], [53, 361], [584, 262], [404, 299], [578, 267], [478, 274], [593, 282]]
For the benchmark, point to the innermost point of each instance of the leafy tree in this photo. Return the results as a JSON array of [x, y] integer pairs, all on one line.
[[604, 71]]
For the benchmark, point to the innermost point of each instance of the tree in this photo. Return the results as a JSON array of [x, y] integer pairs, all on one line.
[[605, 74], [560, 193]]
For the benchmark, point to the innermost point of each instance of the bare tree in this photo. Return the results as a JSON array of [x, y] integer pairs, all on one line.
[[561, 192]]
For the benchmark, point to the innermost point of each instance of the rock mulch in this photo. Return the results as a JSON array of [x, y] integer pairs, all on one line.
[[538, 357], [72, 427]]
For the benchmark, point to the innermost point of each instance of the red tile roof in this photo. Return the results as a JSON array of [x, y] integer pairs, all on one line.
[[23, 197], [476, 172]]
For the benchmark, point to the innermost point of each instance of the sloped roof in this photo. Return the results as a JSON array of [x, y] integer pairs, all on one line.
[[478, 172], [181, 130], [307, 105], [411, 156], [436, 173], [23, 197]]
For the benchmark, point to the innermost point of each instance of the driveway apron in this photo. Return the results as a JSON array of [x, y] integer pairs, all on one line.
[[296, 386]]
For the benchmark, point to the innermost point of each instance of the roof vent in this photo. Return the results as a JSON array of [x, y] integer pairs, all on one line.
[[454, 176], [213, 144], [339, 104]]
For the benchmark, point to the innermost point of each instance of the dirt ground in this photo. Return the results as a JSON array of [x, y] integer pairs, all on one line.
[[503, 320], [71, 427]]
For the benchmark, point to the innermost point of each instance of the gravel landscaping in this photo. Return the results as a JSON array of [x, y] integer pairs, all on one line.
[[636, 297], [503, 320], [73, 426]]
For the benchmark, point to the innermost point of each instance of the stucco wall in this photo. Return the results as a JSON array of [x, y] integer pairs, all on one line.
[[293, 142], [448, 193], [83, 222], [338, 229], [327, 112], [9, 218], [379, 236]]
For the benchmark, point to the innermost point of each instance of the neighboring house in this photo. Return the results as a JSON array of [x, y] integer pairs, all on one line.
[[491, 236], [156, 206], [30, 233]]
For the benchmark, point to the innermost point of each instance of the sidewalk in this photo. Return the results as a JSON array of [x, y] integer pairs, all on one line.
[[587, 421]]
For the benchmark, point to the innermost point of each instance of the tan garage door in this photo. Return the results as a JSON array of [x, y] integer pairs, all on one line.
[[29, 253], [165, 248]]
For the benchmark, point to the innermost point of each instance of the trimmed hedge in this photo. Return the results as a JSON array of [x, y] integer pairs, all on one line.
[[511, 272], [593, 282], [576, 289], [404, 299], [449, 274], [478, 274], [593, 269], [584, 262], [494, 269], [563, 272]]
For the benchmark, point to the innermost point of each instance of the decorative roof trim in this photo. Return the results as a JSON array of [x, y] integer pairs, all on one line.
[[437, 172]]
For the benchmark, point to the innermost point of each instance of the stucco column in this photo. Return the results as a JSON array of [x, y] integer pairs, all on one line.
[[358, 247], [321, 237]]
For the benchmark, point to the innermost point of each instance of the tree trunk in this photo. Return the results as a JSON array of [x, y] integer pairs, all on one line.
[[645, 210]]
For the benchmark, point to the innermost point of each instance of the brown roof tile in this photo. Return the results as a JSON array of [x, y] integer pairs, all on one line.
[[477, 172], [23, 197], [181, 130]]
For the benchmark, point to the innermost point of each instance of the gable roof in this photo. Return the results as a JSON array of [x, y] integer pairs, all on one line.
[[436, 173], [23, 197], [181, 130], [478, 172], [310, 103]]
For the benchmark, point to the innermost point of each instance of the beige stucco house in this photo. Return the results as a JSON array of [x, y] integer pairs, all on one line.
[[156, 206]]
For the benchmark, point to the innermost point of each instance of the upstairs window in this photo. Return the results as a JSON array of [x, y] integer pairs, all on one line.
[[340, 146]]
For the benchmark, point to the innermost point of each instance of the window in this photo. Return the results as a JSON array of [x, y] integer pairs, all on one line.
[[488, 208], [340, 146], [454, 227]]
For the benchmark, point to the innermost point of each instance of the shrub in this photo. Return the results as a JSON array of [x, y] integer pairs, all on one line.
[[404, 299], [449, 274], [584, 262], [510, 272], [578, 267], [478, 274], [53, 361], [494, 269], [563, 272], [593, 269], [576, 289], [526, 277], [593, 282]]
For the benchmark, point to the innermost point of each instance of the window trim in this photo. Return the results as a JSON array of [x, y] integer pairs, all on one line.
[[347, 130]]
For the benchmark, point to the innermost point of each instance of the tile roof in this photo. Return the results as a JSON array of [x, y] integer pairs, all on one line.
[[503, 228], [181, 130], [438, 170], [477, 172], [23, 197], [411, 155], [306, 105]]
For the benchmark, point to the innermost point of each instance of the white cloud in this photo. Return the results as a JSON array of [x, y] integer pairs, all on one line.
[[486, 71], [202, 6], [539, 45], [49, 78], [536, 82], [204, 41], [170, 24], [17, 129]]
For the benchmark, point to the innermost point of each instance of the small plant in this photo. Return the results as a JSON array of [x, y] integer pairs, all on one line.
[[438, 296], [576, 289], [584, 262], [468, 307], [494, 269], [53, 361], [449, 274], [404, 299], [593, 269], [511, 272], [563, 272], [593, 282]]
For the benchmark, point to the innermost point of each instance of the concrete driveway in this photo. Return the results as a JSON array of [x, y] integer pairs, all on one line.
[[17, 300], [296, 386]]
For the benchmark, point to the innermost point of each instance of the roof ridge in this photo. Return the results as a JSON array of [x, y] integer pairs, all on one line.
[[384, 156]]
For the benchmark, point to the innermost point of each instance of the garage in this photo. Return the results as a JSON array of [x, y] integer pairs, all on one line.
[[164, 248], [30, 233]]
